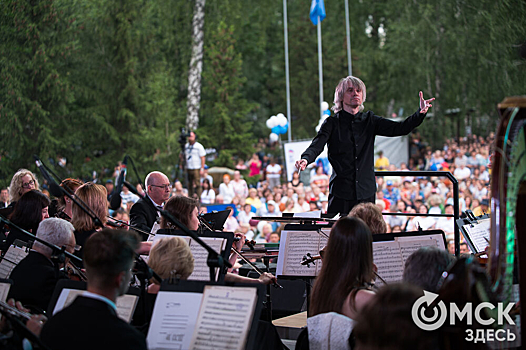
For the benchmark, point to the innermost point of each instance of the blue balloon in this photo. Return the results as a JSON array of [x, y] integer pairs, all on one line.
[[284, 128], [276, 130], [327, 111]]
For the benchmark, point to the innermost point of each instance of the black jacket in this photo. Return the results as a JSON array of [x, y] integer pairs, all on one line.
[[90, 324], [34, 280], [143, 215], [350, 141]]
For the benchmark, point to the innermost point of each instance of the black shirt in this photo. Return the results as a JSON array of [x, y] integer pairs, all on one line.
[[350, 141]]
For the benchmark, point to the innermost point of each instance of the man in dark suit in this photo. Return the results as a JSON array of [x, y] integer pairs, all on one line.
[[91, 321], [35, 277], [142, 214]]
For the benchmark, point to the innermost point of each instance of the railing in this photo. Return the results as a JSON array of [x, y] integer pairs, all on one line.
[[456, 208]]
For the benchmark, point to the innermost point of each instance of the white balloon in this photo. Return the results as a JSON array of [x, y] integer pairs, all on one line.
[[282, 120], [269, 123], [274, 121], [324, 106], [273, 137]]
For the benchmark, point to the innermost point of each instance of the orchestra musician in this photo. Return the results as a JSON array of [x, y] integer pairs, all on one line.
[[94, 195], [64, 205], [91, 321], [186, 210], [344, 283], [142, 214], [35, 277], [29, 211], [170, 257]]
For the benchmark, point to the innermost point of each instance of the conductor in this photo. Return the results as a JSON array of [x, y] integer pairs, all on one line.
[[350, 136]]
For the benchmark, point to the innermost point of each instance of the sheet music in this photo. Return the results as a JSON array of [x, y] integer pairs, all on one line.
[[225, 318], [408, 247], [13, 254], [201, 270], [438, 238], [125, 303], [4, 291], [173, 320], [323, 243], [296, 244], [309, 214], [479, 234], [388, 258]]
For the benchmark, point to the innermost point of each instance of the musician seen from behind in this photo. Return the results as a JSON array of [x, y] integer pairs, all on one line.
[[344, 284], [35, 277], [350, 136], [91, 321]]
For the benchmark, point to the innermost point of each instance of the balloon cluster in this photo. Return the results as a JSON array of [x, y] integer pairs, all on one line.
[[278, 124], [326, 113]]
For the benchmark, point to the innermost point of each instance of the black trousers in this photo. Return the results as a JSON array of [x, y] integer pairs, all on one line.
[[344, 206]]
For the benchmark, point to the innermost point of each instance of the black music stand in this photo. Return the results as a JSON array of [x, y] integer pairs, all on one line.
[[216, 219]]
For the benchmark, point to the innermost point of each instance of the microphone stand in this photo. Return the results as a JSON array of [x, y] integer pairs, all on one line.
[[59, 254], [58, 191], [126, 224], [214, 259]]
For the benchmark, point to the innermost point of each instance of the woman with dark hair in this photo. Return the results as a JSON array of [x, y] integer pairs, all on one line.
[[208, 195], [343, 285], [186, 211], [29, 211]]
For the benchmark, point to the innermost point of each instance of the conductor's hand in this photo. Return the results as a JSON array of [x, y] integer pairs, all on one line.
[[425, 104], [267, 278], [301, 164]]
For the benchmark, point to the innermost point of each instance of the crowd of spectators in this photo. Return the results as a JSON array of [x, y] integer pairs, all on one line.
[[258, 188]]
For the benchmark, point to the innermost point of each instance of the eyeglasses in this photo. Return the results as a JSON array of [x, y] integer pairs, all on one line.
[[164, 187], [28, 184], [75, 247]]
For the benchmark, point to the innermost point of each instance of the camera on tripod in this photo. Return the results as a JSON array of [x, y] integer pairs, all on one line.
[[182, 137]]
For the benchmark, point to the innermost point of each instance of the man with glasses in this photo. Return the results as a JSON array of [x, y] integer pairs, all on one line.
[[91, 321], [35, 277], [143, 214]]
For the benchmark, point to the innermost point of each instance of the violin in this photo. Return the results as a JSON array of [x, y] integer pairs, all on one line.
[[249, 242], [309, 259], [74, 273]]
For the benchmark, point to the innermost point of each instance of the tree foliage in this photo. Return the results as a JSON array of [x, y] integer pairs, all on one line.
[[92, 80]]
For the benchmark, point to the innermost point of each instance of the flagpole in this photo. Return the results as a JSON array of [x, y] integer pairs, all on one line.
[[286, 35], [320, 66], [348, 32]]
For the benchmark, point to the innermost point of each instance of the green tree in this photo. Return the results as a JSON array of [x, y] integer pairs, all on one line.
[[225, 116], [36, 92]]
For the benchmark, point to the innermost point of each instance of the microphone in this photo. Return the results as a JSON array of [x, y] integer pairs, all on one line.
[[115, 199], [132, 189], [54, 188]]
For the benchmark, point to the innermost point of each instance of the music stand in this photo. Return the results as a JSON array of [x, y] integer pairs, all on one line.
[[80, 285], [216, 219]]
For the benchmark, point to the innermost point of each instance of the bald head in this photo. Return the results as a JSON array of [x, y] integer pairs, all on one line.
[[158, 187]]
